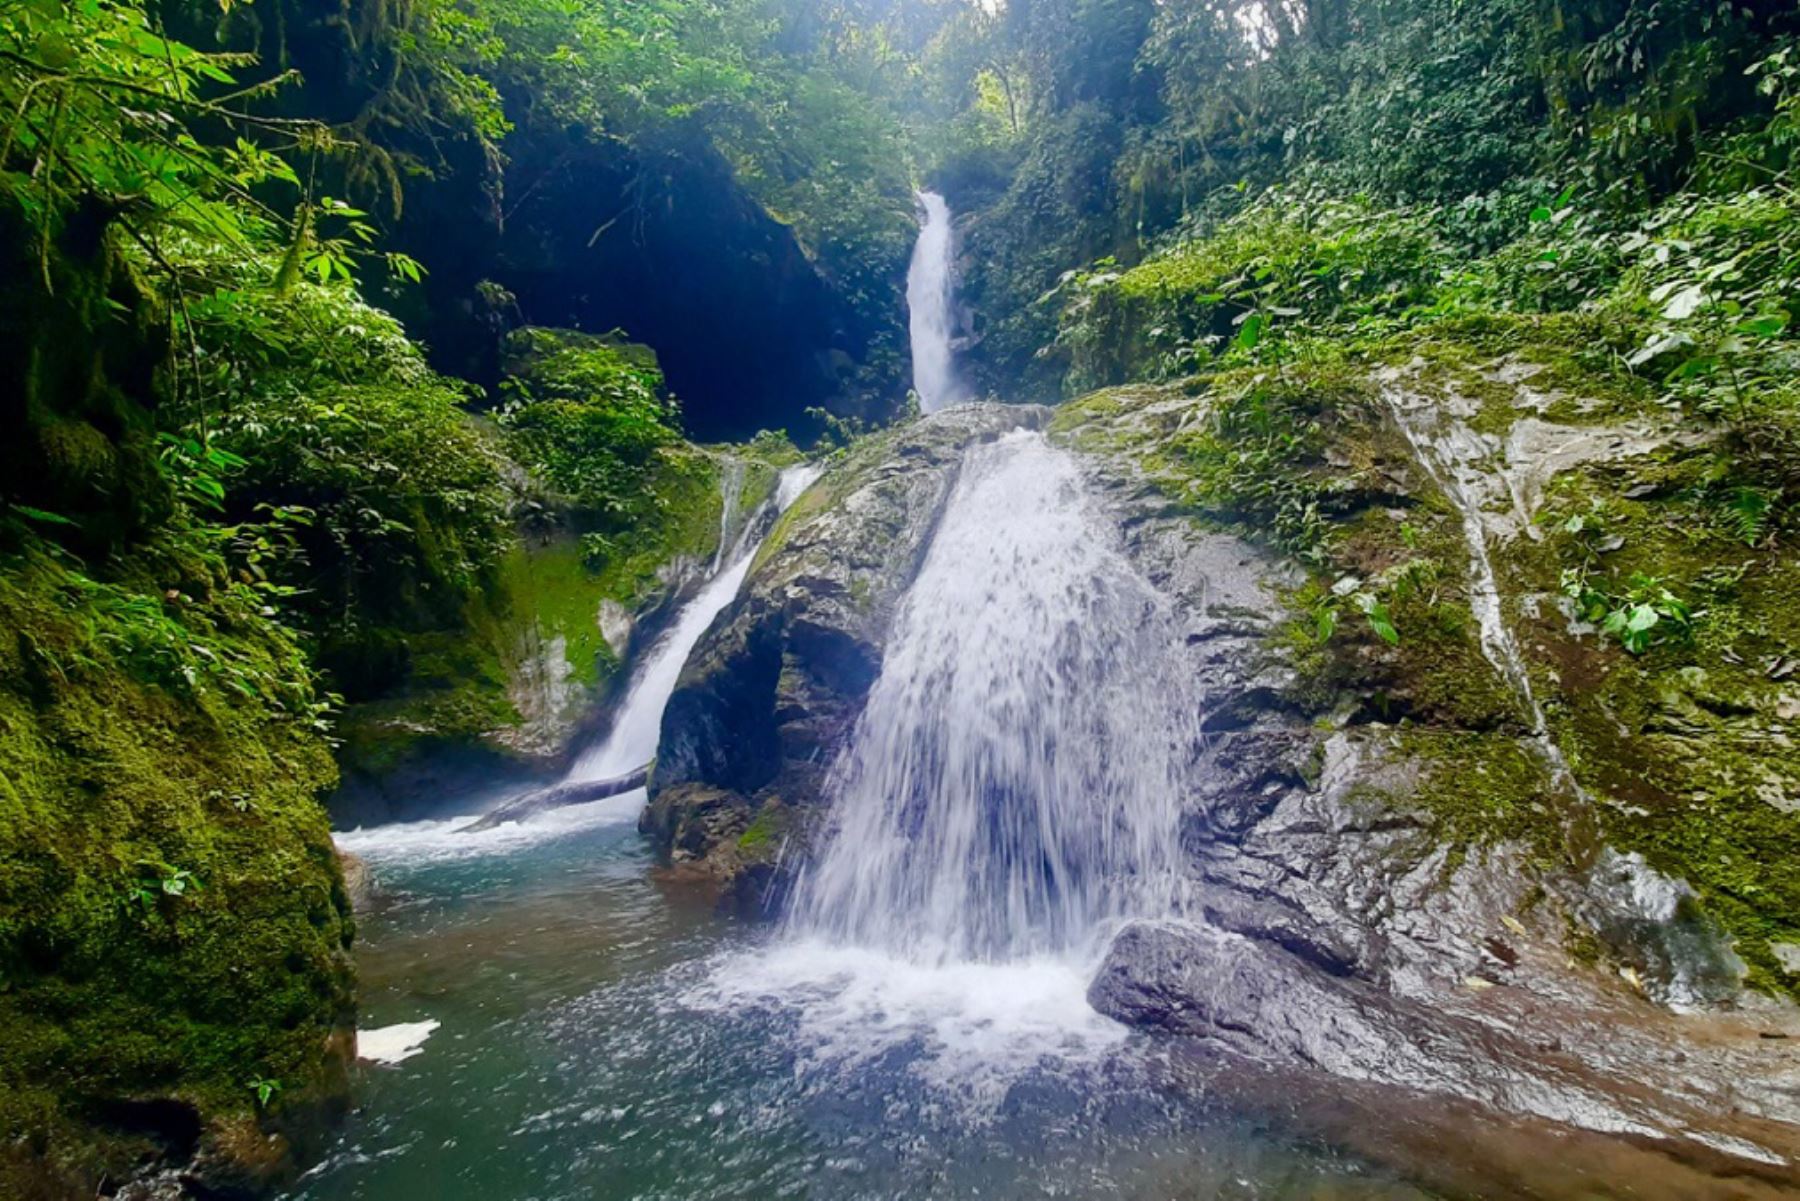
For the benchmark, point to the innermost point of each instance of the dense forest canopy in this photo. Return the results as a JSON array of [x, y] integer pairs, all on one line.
[[339, 335]]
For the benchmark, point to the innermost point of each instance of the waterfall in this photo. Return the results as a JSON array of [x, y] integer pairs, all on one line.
[[1012, 790], [632, 741], [630, 744], [930, 297]]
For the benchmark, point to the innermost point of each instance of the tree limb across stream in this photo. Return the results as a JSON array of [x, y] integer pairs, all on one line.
[[557, 796]]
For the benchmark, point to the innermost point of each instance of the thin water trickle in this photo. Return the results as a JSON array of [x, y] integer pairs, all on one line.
[[931, 300], [731, 499], [1688, 961], [1449, 453]]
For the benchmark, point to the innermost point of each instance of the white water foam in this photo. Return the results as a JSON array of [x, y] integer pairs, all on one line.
[[970, 1029], [447, 840], [389, 1045]]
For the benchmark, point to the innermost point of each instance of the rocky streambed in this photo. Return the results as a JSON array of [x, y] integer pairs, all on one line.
[[1415, 868]]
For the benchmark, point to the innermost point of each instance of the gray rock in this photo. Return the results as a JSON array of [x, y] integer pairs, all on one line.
[[1269, 1005]]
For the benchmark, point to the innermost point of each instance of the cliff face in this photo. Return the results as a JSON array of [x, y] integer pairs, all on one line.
[[1447, 833]]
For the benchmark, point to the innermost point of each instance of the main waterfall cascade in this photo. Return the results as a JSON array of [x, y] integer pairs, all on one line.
[[930, 300], [1009, 797], [1013, 787]]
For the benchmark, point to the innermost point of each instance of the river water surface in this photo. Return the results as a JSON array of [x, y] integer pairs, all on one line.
[[604, 1035]]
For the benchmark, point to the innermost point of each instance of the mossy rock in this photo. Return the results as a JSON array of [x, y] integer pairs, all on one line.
[[531, 659], [173, 924], [1684, 752]]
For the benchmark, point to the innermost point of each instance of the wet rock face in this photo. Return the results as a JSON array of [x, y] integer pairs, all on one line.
[[1337, 924], [774, 687], [1345, 918], [1537, 1052]]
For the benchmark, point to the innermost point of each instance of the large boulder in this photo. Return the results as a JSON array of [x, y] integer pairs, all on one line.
[[773, 689]]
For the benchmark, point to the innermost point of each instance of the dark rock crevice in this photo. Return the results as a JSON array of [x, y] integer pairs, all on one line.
[[661, 241]]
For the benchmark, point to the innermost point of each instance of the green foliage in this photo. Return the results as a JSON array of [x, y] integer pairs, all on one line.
[[1641, 614], [1257, 459], [357, 484], [1712, 282], [1299, 260], [1464, 110], [587, 419], [265, 1089], [159, 933], [405, 512], [155, 880]]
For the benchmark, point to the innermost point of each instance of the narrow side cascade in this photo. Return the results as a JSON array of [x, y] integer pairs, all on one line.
[[931, 300], [632, 741], [731, 498], [605, 784], [1012, 789]]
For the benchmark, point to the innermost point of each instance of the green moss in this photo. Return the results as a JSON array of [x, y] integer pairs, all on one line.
[[1687, 745], [1574, 360], [814, 500], [682, 519], [768, 826], [548, 590], [1483, 788], [117, 777]]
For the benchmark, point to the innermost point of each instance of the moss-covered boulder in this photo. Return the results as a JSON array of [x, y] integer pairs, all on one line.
[[174, 984], [618, 517]]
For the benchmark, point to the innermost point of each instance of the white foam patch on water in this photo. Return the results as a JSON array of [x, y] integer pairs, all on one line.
[[392, 1044], [445, 840], [973, 1028]]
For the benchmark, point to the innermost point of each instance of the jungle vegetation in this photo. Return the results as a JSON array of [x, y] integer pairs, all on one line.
[[239, 495]]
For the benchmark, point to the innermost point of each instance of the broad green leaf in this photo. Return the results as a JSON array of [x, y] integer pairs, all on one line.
[[1685, 303]]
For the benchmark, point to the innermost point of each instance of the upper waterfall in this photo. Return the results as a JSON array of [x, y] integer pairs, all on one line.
[[930, 298], [1013, 786]]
